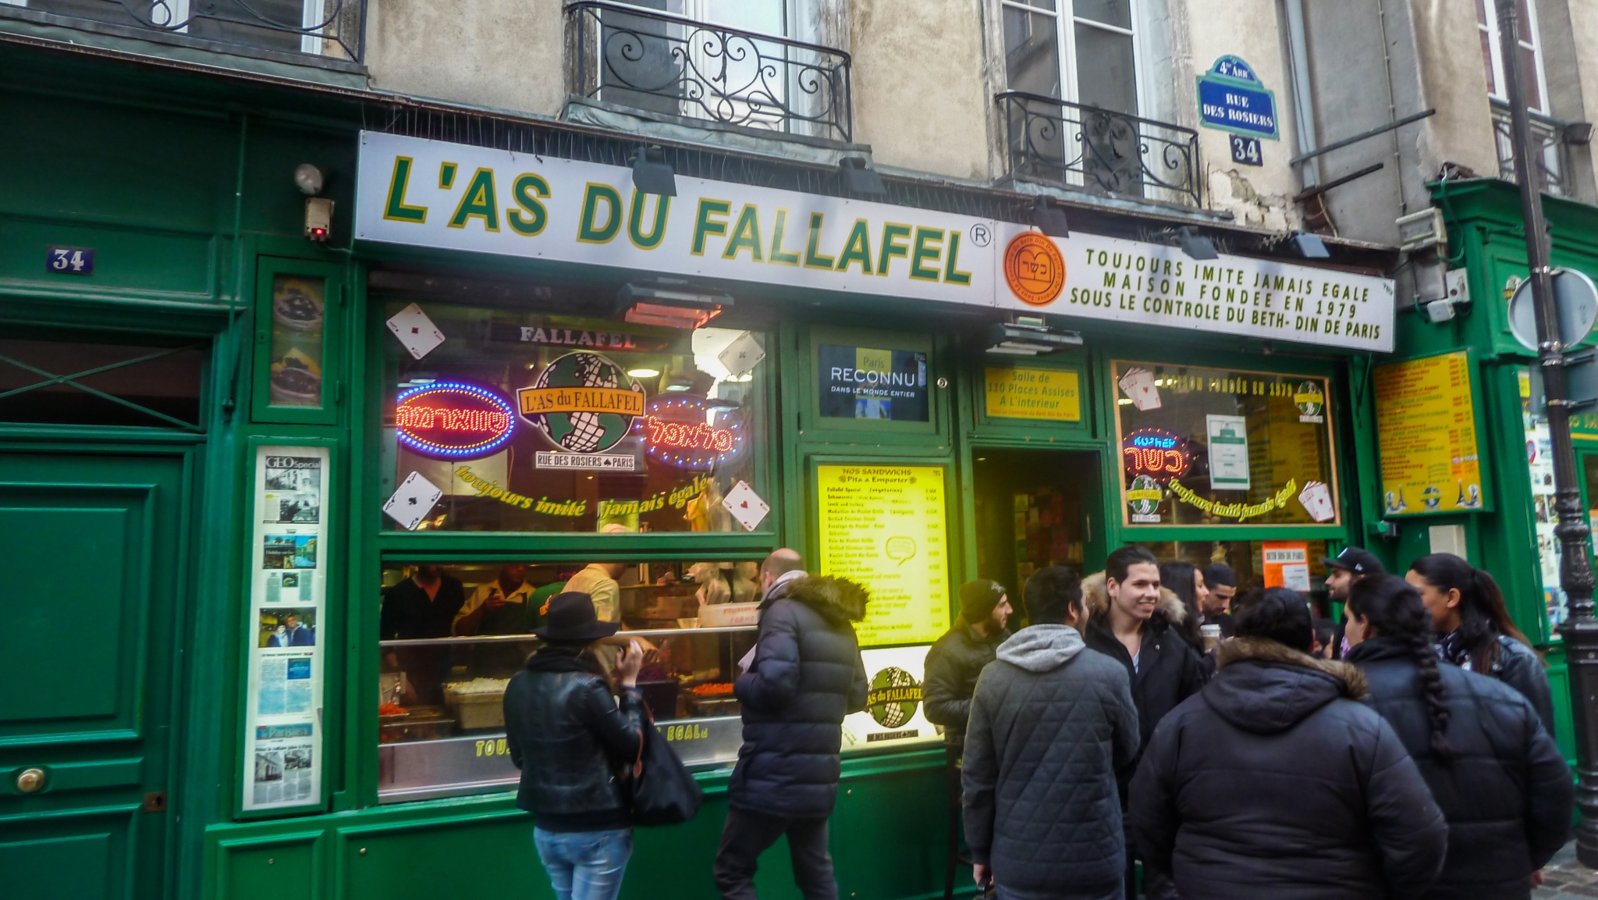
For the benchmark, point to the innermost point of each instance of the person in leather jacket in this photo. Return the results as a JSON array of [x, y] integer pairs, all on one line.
[[955, 661], [1474, 630], [571, 739]]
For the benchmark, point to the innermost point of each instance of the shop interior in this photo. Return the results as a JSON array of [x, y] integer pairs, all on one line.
[[1036, 508]]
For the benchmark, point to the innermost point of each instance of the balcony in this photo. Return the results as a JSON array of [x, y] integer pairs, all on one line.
[[666, 65], [320, 32], [1099, 150], [1550, 160]]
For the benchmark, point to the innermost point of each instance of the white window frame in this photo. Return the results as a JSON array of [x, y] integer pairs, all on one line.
[[1065, 20], [1529, 40]]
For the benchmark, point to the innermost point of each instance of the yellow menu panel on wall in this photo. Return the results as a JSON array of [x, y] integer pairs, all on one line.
[[1426, 436], [886, 526], [1031, 393]]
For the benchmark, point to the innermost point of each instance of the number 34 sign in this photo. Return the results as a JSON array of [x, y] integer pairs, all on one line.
[[69, 260], [1245, 150]]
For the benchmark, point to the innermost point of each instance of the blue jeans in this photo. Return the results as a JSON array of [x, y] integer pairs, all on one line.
[[584, 865]]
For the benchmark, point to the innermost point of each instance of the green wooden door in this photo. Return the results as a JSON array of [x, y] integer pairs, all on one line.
[[95, 550]]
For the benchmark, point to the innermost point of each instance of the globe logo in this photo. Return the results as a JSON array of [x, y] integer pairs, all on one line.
[[893, 697], [582, 403]]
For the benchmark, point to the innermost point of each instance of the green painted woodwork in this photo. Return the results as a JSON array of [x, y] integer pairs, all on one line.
[[95, 626]]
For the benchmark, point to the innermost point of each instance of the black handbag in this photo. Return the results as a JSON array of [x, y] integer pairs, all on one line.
[[660, 789]]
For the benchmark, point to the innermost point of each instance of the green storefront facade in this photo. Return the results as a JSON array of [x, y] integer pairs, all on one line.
[[155, 452]]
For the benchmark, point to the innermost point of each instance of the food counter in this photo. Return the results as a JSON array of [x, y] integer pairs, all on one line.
[[459, 747]]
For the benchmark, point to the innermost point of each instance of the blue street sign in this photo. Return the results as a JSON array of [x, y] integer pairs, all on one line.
[[1231, 98]]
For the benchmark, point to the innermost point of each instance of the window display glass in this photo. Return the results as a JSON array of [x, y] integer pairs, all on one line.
[[507, 420], [1202, 446], [452, 636]]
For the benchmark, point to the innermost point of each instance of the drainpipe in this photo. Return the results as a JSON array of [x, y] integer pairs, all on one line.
[[1303, 103]]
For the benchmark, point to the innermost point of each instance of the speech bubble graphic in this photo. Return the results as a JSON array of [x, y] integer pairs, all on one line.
[[901, 549]]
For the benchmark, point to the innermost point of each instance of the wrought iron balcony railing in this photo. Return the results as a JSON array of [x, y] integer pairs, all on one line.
[[328, 29], [1549, 158], [1071, 144], [661, 63]]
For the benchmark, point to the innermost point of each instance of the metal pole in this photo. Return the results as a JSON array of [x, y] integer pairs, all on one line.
[[1580, 629]]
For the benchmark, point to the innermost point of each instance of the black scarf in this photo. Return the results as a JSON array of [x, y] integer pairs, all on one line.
[[564, 658]]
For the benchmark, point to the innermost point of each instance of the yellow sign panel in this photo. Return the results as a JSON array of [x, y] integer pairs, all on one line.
[[886, 527], [1426, 435], [1022, 393]]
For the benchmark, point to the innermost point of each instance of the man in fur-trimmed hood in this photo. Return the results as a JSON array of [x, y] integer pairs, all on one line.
[[1275, 781], [804, 677]]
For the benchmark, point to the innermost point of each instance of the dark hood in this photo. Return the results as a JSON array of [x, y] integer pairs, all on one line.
[[1265, 687], [838, 600]]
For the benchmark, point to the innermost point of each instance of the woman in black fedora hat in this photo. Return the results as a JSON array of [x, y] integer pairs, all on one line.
[[571, 737]]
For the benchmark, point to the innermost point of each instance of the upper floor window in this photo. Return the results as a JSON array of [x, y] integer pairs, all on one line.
[[331, 29], [1081, 51], [757, 64], [1533, 83], [1081, 104]]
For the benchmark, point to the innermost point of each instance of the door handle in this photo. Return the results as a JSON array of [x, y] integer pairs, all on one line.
[[30, 781]]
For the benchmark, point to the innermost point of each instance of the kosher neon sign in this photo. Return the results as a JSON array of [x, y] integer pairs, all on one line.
[[1155, 452], [676, 431], [453, 420]]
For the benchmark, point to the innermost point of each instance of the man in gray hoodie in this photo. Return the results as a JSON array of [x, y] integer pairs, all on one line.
[[1051, 723]]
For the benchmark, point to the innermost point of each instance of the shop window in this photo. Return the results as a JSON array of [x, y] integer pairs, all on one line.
[[451, 637], [505, 420], [87, 382], [1202, 446]]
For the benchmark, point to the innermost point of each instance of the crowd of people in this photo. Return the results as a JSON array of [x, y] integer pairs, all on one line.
[[1238, 748], [1148, 713]]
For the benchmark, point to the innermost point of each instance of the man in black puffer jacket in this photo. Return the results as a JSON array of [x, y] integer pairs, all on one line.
[[1276, 782], [806, 676], [1051, 722]]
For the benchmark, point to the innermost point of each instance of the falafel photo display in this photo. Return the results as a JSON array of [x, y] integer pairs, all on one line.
[[288, 589]]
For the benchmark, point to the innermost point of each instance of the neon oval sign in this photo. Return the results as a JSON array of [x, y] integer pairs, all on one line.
[[453, 420], [1155, 452], [676, 433]]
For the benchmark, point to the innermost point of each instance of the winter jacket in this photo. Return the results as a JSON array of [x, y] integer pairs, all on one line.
[[569, 737], [952, 667], [1516, 665], [1276, 782], [1507, 795], [806, 676], [1168, 670], [1051, 723]]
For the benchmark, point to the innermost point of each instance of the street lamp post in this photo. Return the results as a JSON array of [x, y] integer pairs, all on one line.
[[1580, 629]]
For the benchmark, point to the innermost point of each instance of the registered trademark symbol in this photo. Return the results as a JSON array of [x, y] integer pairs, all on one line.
[[981, 235]]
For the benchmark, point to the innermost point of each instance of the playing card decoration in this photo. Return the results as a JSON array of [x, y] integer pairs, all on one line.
[[416, 331], [746, 506], [413, 501], [1317, 500], [1138, 386], [742, 355]]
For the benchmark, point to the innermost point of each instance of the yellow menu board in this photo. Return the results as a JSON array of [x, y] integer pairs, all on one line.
[[1426, 436], [1029, 393], [886, 526]]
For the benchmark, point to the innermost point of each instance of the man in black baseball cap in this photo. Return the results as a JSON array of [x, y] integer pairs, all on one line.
[[1347, 567]]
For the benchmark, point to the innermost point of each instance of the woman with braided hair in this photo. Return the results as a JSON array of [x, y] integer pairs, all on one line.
[[1492, 767], [1474, 629]]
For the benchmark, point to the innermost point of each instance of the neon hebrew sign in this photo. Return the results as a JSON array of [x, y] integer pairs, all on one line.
[[676, 432], [453, 420], [1155, 452]]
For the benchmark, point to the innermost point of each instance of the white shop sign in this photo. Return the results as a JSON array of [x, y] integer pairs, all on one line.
[[424, 193]]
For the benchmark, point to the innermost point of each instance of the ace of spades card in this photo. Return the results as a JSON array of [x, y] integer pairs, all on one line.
[[416, 331], [746, 506], [413, 501]]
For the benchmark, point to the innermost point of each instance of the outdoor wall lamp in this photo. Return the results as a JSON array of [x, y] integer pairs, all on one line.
[[652, 174], [860, 178], [1188, 238], [1028, 336], [318, 210], [1049, 218], [1578, 133], [1308, 245]]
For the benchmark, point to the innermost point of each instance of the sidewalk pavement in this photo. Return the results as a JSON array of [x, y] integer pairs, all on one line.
[[1567, 879]]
